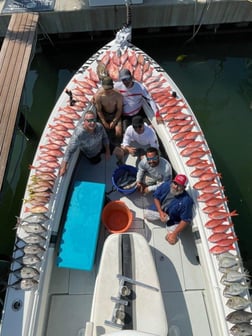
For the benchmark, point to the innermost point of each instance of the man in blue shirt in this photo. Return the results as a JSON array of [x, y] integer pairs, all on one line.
[[173, 206]]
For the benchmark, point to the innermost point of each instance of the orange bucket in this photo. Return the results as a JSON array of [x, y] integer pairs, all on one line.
[[117, 217]]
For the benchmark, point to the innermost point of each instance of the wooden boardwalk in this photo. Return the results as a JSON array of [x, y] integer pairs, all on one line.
[[14, 62]]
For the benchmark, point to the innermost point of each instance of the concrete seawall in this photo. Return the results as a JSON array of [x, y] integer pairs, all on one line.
[[72, 16]]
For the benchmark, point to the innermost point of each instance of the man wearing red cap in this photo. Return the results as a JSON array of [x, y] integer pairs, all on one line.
[[173, 206]]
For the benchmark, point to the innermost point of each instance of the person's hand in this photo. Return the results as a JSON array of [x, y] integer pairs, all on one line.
[[146, 190], [132, 150], [140, 187], [163, 216], [106, 125], [172, 238]]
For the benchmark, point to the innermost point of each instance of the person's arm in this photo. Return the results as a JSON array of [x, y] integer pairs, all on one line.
[[127, 141], [149, 100], [71, 148], [163, 215], [119, 106], [100, 114], [172, 237]]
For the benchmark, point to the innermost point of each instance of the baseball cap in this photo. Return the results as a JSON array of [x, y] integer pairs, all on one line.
[[124, 74], [107, 83], [180, 179], [137, 121]]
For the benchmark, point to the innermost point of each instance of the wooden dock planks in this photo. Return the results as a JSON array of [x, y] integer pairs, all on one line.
[[14, 62]]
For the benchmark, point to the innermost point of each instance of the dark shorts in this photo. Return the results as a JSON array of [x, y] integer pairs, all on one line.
[[127, 120]]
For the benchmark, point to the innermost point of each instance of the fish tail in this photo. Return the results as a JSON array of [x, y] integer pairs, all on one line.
[[234, 213]]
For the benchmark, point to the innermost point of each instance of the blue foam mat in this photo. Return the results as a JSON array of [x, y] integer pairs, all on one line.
[[81, 228]]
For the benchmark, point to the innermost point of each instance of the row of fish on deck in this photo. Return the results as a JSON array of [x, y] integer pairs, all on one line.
[[32, 229]]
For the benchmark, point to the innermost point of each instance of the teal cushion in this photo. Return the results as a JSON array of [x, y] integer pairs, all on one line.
[[82, 224]]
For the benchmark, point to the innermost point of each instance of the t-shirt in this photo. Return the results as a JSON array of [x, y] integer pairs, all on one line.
[[133, 98], [90, 144], [159, 174], [178, 208], [147, 138]]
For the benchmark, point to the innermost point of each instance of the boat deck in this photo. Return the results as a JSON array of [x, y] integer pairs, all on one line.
[[71, 291]]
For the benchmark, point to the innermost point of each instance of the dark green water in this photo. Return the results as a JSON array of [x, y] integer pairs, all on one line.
[[216, 79]]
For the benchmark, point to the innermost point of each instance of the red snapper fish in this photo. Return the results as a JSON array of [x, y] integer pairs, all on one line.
[[213, 223], [187, 127], [222, 228], [141, 59], [132, 58], [208, 176], [221, 249], [192, 135], [227, 241], [204, 197], [222, 214], [199, 172], [176, 109], [179, 136], [175, 129], [173, 123], [199, 153], [155, 85], [212, 188], [216, 201], [105, 58], [210, 209], [83, 84], [193, 162], [138, 72], [204, 165], [53, 152], [201, 185], [188, 151], [146, 66], [216, 237], [50, 146], [63, 118], [93, 75], [184, 143]]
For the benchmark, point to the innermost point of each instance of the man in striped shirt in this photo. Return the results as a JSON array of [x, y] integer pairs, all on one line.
[[133, 95]]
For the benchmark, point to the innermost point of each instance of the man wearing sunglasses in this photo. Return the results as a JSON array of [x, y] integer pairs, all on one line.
[[173, 206], [133, 94], [92, 140], [152, 171], [137, 138]]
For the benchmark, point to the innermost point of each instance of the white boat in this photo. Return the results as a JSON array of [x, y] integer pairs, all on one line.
[[52, 292]]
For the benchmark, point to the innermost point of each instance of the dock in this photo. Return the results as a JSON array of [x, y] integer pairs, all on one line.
[[15, 58], [75, 16]]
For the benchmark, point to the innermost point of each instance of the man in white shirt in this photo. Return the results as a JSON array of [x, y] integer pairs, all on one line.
[[133, 94], [137, 138], [153, 170]]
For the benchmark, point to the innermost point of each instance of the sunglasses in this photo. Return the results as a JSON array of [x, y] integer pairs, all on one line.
[[138, 126], [176, 183], [154, 158], [90, 120]]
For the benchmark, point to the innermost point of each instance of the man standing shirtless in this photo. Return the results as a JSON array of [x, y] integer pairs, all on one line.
[[109, 104]]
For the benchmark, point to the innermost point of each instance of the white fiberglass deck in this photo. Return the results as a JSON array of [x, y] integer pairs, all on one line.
[[180, 277]]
